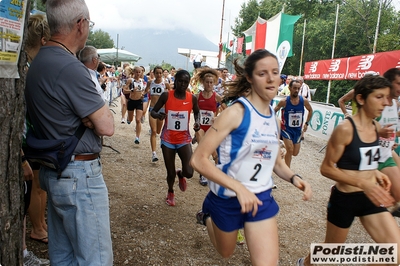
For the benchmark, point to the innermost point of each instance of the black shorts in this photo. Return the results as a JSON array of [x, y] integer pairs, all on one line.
[[27, 195], [343, 207], [135, 104]]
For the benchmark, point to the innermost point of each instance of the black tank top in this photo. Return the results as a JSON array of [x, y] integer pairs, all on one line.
[[359, 155]]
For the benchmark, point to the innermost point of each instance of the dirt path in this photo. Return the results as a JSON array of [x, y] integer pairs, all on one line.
[[146, 231]]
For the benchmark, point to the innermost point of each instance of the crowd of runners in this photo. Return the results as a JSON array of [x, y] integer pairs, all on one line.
[[241, 142], [223, 159]]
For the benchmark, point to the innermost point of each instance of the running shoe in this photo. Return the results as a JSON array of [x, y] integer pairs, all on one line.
[[128, 122], [182, 180], [154, 158], [170, 200], [32, 260], [300, 262], [201, 217], [123, 121], [137, 141], [240, 238], [203, 181]]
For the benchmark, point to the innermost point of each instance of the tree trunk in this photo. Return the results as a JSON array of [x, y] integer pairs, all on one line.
[[12, 117]]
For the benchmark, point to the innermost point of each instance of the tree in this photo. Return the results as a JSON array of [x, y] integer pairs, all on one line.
[[163, 64], [355, 32], [11, 180], [38, 4], [100, 39]]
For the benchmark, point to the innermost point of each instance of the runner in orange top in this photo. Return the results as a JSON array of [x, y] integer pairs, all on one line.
[[175, 136]]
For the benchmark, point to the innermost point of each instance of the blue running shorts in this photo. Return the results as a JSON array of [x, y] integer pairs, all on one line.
[[226, 214]]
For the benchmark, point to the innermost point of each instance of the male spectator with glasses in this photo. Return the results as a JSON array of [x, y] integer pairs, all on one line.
[[60, 96], [89, 57]]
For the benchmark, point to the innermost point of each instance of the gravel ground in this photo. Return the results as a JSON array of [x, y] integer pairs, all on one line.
[[146, 231]]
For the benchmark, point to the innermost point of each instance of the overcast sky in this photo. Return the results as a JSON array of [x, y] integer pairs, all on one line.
[[202, 16]]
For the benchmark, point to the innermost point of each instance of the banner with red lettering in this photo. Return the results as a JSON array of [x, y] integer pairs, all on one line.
[[353, 68]]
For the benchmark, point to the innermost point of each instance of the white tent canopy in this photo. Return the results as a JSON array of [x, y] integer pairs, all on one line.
[[112, 55], [209, 58]]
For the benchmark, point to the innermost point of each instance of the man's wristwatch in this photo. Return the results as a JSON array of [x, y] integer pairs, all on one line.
[[306, 123]]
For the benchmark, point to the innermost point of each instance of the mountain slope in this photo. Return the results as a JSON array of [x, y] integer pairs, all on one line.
[[157, 46]]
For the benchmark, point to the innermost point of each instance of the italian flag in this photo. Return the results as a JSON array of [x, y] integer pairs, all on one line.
[[275, 35]]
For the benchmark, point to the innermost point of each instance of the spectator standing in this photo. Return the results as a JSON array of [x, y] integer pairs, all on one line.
[[198, 58], [58, 102], [35, 198], [285, 91], [89, 57], [304, 89]]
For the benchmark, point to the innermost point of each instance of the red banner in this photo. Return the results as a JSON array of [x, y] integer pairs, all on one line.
[[354, 67]]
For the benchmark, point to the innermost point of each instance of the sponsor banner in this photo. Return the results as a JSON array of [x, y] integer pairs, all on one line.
[[353, 68], [323, 120], [12, 19], [354, 254]]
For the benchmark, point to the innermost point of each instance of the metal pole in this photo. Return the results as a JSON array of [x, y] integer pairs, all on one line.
[[333, 52], [377, 26], [117, 48], [187, 60], [302, 46], [220, 34]]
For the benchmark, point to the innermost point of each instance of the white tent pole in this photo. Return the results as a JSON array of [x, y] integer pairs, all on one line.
[[117, 48], [302, 46], [188, 59], [333, 52]]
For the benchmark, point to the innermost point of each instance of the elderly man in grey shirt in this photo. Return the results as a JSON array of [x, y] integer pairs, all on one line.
[[60, 95], [91, 59]]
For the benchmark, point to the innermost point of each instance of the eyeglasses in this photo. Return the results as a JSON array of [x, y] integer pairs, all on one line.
[[91, 23]]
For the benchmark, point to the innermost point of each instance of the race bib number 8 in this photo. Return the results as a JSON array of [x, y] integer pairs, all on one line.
[[178, 120]]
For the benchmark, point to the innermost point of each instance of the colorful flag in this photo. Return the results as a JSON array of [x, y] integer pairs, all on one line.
[[239, 46], [275, 35], [249, 44], [225, 51]]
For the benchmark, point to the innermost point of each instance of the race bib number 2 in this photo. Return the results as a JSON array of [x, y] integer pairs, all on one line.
[[254, 172]]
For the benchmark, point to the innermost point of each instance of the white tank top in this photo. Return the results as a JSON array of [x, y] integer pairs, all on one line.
[[389, 116], [156, 89], [248, 153]]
